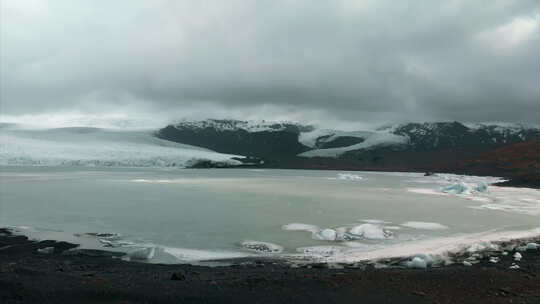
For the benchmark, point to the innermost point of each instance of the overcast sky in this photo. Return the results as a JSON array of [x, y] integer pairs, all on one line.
[[370, 61]]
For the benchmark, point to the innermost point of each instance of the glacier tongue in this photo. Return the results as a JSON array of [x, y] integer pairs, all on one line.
[[98, 147]]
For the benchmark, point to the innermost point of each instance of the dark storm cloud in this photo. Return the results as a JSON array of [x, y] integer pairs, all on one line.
[[351, 60]]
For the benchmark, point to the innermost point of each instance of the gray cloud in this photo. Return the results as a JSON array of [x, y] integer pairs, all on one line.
[[367, 61]]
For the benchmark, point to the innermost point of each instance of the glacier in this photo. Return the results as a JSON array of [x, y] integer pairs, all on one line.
[[89, 146], [372, 139]]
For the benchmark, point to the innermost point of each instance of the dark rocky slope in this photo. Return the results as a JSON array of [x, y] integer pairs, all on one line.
[[233, 137]]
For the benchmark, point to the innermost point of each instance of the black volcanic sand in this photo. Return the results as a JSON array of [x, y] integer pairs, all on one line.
[[30, 276]]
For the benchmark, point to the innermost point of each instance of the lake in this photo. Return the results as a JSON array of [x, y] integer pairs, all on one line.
[[193, 215]]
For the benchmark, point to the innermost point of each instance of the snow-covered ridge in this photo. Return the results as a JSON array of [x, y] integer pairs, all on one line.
[[422, 129], [235, 125], [503, 127], [98, 147], [428, 135]]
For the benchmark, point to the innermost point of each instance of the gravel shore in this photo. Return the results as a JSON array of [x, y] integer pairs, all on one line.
[[48, 272]]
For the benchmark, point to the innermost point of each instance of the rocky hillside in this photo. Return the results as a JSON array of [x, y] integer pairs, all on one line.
[[264, 140]]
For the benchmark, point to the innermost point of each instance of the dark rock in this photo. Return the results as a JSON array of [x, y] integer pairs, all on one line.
[[178, 276]]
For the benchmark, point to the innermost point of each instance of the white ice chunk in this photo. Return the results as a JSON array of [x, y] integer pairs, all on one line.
[[326, 235], [482, 246], [370, 231], [481, 187], [417, 262], [457, 188], [532, 246], [46, 250], [517, 256], [146, 253], [494, 259]]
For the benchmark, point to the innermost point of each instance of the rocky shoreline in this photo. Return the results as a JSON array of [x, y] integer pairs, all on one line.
[[52, 272]]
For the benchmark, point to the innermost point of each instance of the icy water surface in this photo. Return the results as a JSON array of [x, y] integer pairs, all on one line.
[[183, 215]]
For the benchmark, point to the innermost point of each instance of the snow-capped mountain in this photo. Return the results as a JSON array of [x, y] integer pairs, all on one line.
[[287, 139], [448, 135], [433, 146]]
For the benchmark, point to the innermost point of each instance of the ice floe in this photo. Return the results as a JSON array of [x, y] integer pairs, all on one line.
[[465, 188], [193, 255], [424, 225], [513, 200], [349, 176], [300, 227]]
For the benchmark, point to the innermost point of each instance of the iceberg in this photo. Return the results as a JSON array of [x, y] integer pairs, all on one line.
[[457, 188], [326, 235]]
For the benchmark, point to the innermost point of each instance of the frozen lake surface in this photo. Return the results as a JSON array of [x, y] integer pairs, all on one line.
[[188, 215]]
